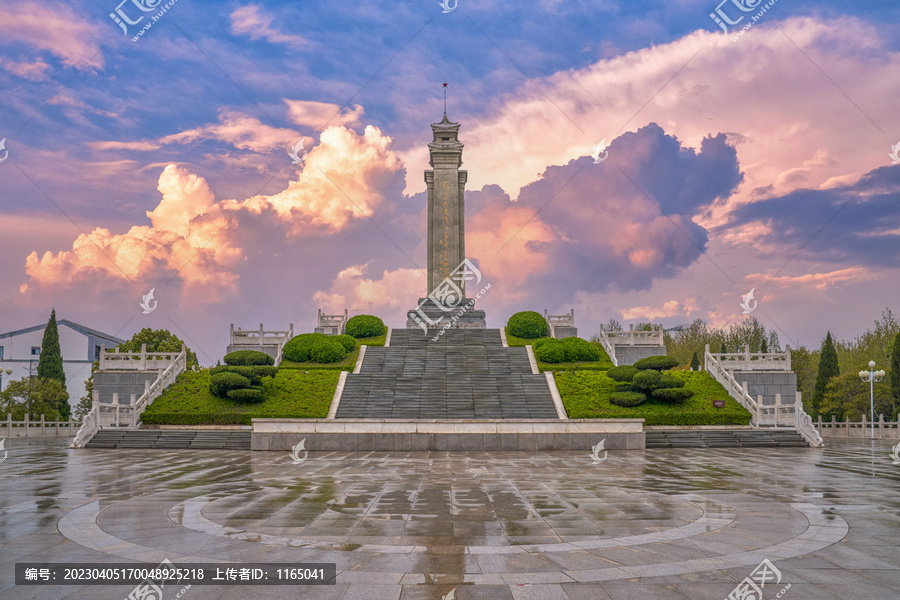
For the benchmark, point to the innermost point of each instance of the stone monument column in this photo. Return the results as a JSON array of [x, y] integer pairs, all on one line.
[[446, 304]]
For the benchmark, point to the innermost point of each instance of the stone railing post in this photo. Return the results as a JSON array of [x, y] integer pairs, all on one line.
[[9, 425], [133, 411], [880, 426], [787, 358], [116, 406], [143, 357], [27, 425], [864, 425], [778, 408], [747, 356], [102, 356]]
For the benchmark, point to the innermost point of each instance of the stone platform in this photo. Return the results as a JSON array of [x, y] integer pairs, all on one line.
[[354, 435]]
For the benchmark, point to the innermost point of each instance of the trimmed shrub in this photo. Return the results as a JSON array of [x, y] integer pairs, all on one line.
[[625, 386], [669, 381], [221, 383], [540, 342], [298, 347], [673, 394], [327, 351], [527, 324], [552, 351], [646, 380], [363, 326], [347, 341], [254, 374], [627, 399], [246, 395], [623, 373], [657, 363], [578, 349], [248, 357], [265, 370]]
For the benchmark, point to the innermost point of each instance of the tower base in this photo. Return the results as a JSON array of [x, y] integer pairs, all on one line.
[[432, 316]]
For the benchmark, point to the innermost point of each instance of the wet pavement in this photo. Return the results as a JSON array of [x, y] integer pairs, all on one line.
[[689, 523]]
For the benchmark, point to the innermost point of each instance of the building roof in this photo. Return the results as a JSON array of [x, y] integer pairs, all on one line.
[[73, 326]]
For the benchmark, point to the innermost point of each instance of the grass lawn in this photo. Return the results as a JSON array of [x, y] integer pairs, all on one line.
[[346, 364], [585, 395], [290, 394], [594, 365]]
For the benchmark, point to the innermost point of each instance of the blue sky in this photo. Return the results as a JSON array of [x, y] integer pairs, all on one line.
[[194, 121]]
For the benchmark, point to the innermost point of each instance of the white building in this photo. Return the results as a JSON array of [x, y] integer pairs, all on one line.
[[80, 346]]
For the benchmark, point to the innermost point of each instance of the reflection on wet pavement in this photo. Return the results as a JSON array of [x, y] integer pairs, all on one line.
[[649, 524]]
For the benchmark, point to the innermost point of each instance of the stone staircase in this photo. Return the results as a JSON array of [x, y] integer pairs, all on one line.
[[465, 374], [172, 439], [724, 438]]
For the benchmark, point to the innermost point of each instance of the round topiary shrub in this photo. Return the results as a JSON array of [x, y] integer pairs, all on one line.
[[527, 324], [552, 351], [669, 381], [347, 341], [675, 395], [578, 349], [248, 395], [298, 347], [221, 383], [646, 380], [627, 399], [625, 386], [363, 326], [327, 351], [623, 373], [248, 357], [657, 363], [540, 342]]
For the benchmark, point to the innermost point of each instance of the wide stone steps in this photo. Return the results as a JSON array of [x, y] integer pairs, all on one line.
[[724, 438], [465, 374], [174, 439]]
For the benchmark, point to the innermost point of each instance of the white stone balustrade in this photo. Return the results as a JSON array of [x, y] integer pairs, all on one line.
[[136, 361], [754, 361]]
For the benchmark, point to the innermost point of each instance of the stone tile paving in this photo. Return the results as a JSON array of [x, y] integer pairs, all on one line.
[[688, 523]]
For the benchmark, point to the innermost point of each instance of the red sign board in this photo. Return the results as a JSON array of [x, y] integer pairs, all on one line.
[[719, 403]]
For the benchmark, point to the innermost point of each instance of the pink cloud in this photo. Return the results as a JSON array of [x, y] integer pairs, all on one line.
[[32, 71], [54, 27], [239, 130]]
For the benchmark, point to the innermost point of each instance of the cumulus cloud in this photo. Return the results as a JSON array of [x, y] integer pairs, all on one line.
[[671, 308], [200, 240], [253, 21], [761, 92], [54, 27], [353, 289]]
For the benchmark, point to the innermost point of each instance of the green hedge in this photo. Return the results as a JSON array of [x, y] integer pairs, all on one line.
[[570, 349], [627, 398], [222, 383], [315, 347], [657, 363], [585, 395], [623, 373], [347, 341], [248, 357], [290, 394], [246, 395], [527, 324], [363, 326]]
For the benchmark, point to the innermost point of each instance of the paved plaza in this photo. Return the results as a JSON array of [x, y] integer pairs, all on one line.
[[686, 523]]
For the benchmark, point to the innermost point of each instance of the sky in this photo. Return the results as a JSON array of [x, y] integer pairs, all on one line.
[[627, 160]]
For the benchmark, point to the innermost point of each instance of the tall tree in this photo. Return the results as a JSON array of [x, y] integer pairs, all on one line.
[[50, 364], [774, 343], [763, 345], [695, 362], [895, 376], [828, 368]]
